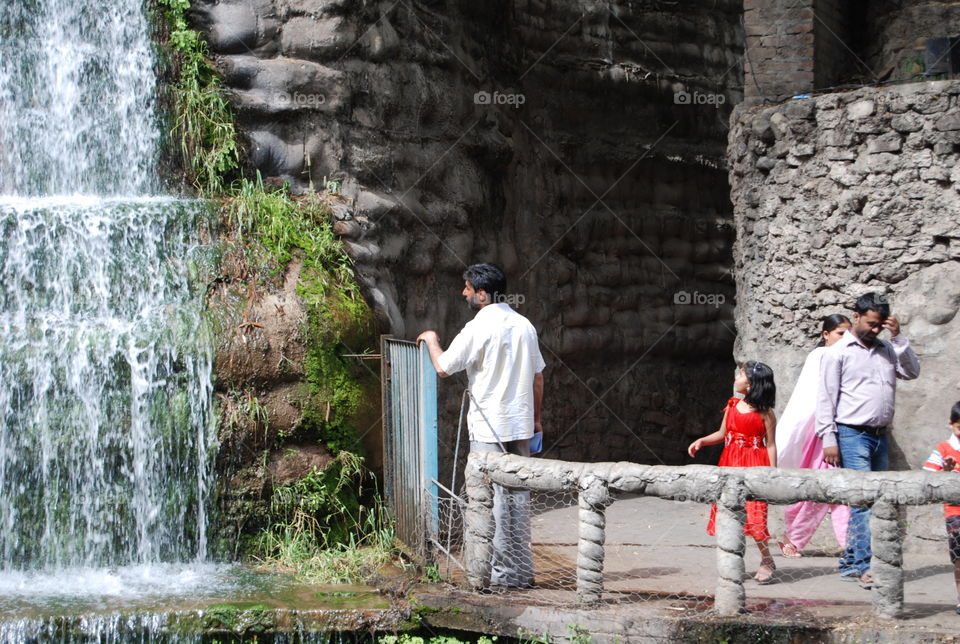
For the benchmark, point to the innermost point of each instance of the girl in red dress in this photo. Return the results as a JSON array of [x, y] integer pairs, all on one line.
[[747, 433]]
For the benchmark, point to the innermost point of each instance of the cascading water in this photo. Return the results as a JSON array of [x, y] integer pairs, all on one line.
[[105, 416]]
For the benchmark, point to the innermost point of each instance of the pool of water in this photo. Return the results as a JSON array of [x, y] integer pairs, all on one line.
[[183, 603]]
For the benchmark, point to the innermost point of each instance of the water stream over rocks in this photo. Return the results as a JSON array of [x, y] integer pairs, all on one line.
[[107, 435]]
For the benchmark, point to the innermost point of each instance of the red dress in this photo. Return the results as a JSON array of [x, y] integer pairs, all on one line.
[[745, 445]]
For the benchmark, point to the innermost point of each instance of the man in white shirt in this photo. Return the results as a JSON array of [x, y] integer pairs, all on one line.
[[499, 350], [855, 403]]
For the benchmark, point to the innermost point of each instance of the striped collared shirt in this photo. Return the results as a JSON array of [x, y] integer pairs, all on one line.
[[858, 384]]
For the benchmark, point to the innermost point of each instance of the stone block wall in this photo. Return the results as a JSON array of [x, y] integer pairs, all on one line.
[[816, 45], [780, 47], [579, 145], [843, 194]]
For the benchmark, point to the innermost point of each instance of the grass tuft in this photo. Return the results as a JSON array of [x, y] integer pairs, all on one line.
[[203, 125]]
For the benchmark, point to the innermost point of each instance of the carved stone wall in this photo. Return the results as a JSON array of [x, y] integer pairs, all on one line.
[[844, 194], [578, 144]]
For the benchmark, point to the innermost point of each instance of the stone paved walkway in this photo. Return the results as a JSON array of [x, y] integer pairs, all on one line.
[[661, 564]]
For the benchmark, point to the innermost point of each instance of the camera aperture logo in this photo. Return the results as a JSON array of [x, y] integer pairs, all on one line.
[[484, 97], [709, 299], [684, 97]]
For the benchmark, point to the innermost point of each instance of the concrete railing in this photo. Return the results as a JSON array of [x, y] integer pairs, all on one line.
[[729, 487]]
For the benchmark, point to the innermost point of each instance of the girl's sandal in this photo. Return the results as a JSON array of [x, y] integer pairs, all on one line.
[[787, 549], [765, 572]]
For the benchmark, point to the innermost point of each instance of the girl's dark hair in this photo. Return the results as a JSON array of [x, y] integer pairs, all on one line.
[[763, 391], [955, 412], [830, 323]]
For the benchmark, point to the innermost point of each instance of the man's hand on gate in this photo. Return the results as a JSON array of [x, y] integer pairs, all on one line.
[[428, 336], [832, 455]]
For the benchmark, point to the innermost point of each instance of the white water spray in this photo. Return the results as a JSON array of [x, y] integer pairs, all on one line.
[[105, 391]]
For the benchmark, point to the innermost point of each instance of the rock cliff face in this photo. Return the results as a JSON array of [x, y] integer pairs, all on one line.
[[844, 194], [578, 144], [840, 195]]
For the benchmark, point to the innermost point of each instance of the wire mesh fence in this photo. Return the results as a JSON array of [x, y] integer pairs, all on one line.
[[660, 550]]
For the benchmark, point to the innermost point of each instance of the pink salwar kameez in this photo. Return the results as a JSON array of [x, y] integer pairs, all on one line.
[[798, 446]]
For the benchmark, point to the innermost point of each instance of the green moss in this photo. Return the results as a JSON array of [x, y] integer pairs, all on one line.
[[263, 230], [240, 617], [271, 229]]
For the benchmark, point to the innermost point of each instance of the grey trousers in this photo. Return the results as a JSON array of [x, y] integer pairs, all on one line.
[[512, 555]]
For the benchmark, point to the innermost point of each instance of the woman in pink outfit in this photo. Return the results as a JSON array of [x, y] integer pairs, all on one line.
[[799, 447]]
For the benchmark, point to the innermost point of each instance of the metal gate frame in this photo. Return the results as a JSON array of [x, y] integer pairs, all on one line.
[[410, 449]]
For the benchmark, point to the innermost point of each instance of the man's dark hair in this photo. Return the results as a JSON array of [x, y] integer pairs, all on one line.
[[955, 412], [872, 302], [489, 278]]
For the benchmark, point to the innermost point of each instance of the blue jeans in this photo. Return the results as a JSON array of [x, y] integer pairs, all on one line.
[[868, 453]]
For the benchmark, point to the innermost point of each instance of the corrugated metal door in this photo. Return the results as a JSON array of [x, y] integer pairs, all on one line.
[[410, 441]]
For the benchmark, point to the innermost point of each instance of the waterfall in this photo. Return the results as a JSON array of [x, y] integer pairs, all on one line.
[[77, 84], [105, 366]]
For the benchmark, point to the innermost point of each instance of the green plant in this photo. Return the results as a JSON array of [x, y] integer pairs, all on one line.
[[272, 228], [243, 407], [431, 573], [326, 527], [203, 121], [407, 638], [578, 635], [331, 186], [913, 67], [529, 637]]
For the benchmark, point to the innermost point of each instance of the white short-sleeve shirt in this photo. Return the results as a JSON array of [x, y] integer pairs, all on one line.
[[499, 350]]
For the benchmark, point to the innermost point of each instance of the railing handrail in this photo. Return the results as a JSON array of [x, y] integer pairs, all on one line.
[[729, 487], [705, 483]]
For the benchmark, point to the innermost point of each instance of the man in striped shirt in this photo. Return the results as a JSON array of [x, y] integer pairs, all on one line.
[[855, 403]]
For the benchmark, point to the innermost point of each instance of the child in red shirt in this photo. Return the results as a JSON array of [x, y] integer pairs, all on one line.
[[946, 457]]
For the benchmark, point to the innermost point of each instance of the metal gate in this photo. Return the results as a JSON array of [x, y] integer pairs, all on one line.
[[410, 442]]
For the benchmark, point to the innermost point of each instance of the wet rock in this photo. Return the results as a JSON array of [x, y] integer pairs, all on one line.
[[293, 462], [449, 155]]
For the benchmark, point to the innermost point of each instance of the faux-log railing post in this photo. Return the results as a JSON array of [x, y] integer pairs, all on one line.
[[731, 517], [886, 566], [479, 526], [593, 500]]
